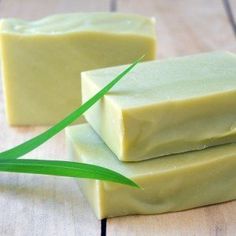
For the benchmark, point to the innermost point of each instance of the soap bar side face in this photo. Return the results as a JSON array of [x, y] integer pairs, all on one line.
[[105, 118], [41, 73], [174, 183], [89, 188], [179, 126], [174, 191]]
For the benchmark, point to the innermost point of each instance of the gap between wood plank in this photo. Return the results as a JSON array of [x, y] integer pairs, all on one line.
[[230, 15], [113, 5], [103, 227]]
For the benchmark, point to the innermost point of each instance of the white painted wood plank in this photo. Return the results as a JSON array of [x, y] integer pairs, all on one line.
[[41, 205], [183, 27]]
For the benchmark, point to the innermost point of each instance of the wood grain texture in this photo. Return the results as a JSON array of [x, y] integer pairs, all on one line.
[[41, 205], [183, 27], [33, 9], [186, 26], [212, 220]]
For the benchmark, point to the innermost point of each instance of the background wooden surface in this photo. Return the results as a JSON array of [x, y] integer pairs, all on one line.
[[38, 205]]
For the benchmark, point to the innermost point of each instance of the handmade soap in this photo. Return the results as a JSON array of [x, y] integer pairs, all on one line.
[[166, 106], [42, 60], [172, 183]]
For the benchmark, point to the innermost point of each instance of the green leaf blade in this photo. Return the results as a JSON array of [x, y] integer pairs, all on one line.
[[65, 169]]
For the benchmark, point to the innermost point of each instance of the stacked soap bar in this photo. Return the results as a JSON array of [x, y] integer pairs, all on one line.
[[160, 108], [42, 60], [166, 106], [171, 183]]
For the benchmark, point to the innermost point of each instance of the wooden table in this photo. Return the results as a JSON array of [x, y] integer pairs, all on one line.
[[39, 205]]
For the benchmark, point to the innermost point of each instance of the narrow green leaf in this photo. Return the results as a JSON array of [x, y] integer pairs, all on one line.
[[33, 143], [64, 168]]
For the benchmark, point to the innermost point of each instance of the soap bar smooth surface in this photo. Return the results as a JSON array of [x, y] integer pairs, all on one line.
[[172, 183], [166, 106], [42, 60]]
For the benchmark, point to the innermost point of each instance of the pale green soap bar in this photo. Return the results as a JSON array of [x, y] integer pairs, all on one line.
[[166, 106], [172, 183], [42, 60]]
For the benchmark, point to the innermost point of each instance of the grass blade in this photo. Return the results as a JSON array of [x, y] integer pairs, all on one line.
[[33, 143], [63, 168]]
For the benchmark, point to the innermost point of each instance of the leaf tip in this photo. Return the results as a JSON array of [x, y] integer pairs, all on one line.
[[133, 184]]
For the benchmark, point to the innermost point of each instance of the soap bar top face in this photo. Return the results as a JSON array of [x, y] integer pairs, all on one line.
[[82, 22], [166, 106], [42, 60], [171, 183], [169, 80]]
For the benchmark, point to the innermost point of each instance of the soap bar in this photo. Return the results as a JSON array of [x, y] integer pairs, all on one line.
[[42, 60], [173, 183], [166, 106]]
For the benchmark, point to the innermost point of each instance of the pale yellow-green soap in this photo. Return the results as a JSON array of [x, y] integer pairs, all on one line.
[[42, 60], [165, 106], [172, 183]]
